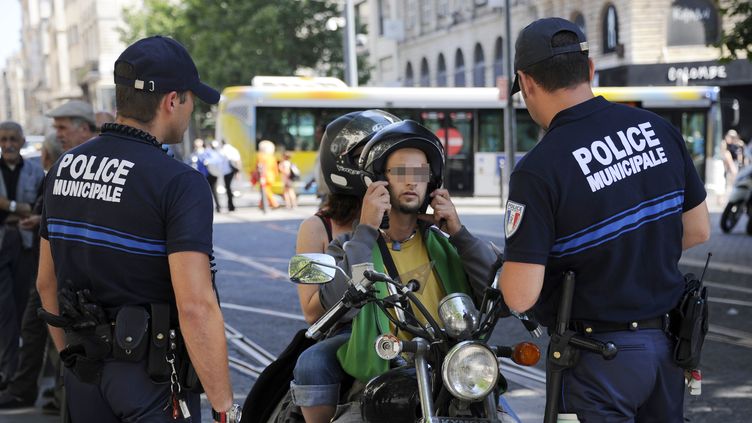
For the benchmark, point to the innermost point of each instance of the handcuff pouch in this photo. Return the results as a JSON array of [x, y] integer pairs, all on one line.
[[131, 327]]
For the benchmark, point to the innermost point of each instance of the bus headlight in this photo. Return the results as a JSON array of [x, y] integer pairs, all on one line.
[[470, 371]]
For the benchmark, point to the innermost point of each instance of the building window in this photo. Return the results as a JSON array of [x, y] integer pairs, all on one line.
[[579, 19], [498, 64], [459, 69], [426, 15], [409, 78], [479, 67], [425, 76], [692, 22], [610, 29], [441, 73]]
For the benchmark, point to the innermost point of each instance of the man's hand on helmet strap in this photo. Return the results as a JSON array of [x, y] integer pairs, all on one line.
[[444, 213], [376, 202]]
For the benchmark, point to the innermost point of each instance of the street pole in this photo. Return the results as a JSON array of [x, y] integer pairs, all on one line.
[[351, 63], [510, 122]]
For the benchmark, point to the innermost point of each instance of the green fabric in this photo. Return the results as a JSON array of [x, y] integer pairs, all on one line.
[[358, 356]]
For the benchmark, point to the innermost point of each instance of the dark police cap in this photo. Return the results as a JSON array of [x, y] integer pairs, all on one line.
[[162, 65], [534, 44]]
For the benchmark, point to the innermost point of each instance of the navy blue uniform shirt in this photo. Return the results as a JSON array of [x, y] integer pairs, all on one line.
[[602, 194], [114, 208]]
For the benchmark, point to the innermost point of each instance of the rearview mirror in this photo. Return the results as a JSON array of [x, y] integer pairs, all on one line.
[[312, 268]]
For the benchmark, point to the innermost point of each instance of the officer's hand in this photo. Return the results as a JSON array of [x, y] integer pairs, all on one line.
[[444, 214], [376, 202]]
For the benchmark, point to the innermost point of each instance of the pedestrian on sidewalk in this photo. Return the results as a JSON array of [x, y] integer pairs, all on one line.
[[266, 173], [289, 173], [23, 387], [20, 181], [234, 164]]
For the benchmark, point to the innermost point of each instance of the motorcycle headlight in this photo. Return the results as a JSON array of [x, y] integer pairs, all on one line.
[[459, 315], [470, 371]]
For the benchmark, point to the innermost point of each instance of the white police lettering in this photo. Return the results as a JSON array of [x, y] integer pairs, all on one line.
[[637, 149], [91, 177]]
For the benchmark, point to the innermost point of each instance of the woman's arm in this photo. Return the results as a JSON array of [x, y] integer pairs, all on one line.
[[312, 238]]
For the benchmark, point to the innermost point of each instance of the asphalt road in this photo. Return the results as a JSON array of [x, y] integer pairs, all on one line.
[[261, 308]]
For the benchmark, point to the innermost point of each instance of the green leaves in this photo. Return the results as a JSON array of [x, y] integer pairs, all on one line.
[[739, 38], [233, 40]]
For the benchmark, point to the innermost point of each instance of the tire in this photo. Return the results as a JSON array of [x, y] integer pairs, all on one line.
[[749, 224], [731, 215]]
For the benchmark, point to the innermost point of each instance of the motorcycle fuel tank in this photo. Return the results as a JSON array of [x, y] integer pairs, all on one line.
[[391, 397]]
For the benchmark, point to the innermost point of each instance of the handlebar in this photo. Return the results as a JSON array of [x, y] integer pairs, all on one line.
[[325, 322]]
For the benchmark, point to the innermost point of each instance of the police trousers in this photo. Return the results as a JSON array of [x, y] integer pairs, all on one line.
[[641, 384], [124, 394]]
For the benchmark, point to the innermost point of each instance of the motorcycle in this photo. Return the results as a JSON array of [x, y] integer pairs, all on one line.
[[444, 373], [739, 202]]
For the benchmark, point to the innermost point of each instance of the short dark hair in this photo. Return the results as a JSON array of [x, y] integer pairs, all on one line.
[[562, 70], [341, 208], [137, 104]]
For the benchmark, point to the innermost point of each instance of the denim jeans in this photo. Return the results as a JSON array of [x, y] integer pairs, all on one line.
[[318, 374]]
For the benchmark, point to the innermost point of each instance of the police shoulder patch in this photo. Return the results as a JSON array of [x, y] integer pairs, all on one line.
[[513, 217]]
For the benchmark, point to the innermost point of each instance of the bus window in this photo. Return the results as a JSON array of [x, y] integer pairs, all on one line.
[[490, 131], [693, 127], [528, 132]]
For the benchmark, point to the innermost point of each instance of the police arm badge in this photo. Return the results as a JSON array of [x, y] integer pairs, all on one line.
[[513, 217]]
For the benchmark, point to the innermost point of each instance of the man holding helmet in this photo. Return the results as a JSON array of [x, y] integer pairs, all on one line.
[[402, 167]]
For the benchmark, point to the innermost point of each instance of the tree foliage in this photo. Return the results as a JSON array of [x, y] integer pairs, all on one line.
[[739, 38], [233, 40]]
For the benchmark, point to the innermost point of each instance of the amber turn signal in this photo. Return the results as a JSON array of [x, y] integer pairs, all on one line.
[[526, 354]]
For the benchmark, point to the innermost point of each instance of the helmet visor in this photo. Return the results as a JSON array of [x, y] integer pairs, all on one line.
[[361, 127]]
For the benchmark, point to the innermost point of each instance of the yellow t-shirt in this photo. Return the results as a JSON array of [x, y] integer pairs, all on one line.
[[412, 262]]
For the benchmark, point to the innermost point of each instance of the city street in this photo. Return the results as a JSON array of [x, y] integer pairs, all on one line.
[[262, 313]]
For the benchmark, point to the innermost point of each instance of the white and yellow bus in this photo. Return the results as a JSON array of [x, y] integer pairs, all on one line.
[[287, 111]]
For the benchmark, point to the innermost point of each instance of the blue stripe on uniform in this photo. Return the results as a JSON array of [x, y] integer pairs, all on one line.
[[621, 226], [91, 236], [104, 228], [101, 244]]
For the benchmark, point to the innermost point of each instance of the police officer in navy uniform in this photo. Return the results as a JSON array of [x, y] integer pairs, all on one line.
[[125, 227], [610, 193]]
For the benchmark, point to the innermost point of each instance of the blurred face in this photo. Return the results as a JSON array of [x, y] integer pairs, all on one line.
[[407, 172], [11, 143], [70, 133]]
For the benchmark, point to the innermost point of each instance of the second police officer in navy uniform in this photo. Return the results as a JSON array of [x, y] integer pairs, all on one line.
[[127, 240], [610, 193]]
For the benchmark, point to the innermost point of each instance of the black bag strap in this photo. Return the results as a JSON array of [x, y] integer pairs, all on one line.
[[391, 268]]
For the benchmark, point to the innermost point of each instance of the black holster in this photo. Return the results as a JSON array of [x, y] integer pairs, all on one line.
[[86, 351], [689, 324]]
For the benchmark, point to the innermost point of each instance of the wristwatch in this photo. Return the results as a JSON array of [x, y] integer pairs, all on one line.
[[12, 206], [230, 416]]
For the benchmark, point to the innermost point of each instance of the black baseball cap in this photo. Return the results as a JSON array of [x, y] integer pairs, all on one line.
[[163, 65], [534, 44]]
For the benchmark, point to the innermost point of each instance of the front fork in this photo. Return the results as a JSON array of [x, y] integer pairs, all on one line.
[[424, 387]]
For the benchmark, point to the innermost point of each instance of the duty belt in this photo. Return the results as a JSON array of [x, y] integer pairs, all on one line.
[[588, 327]]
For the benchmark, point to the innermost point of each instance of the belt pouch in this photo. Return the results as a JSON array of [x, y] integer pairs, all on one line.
[[131, 326], [158, 367], [691, 329]]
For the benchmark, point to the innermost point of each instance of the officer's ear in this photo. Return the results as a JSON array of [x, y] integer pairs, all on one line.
[[592, 68]]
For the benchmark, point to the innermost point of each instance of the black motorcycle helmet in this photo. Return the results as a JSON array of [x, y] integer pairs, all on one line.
[[405, 134], [340, 143]]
